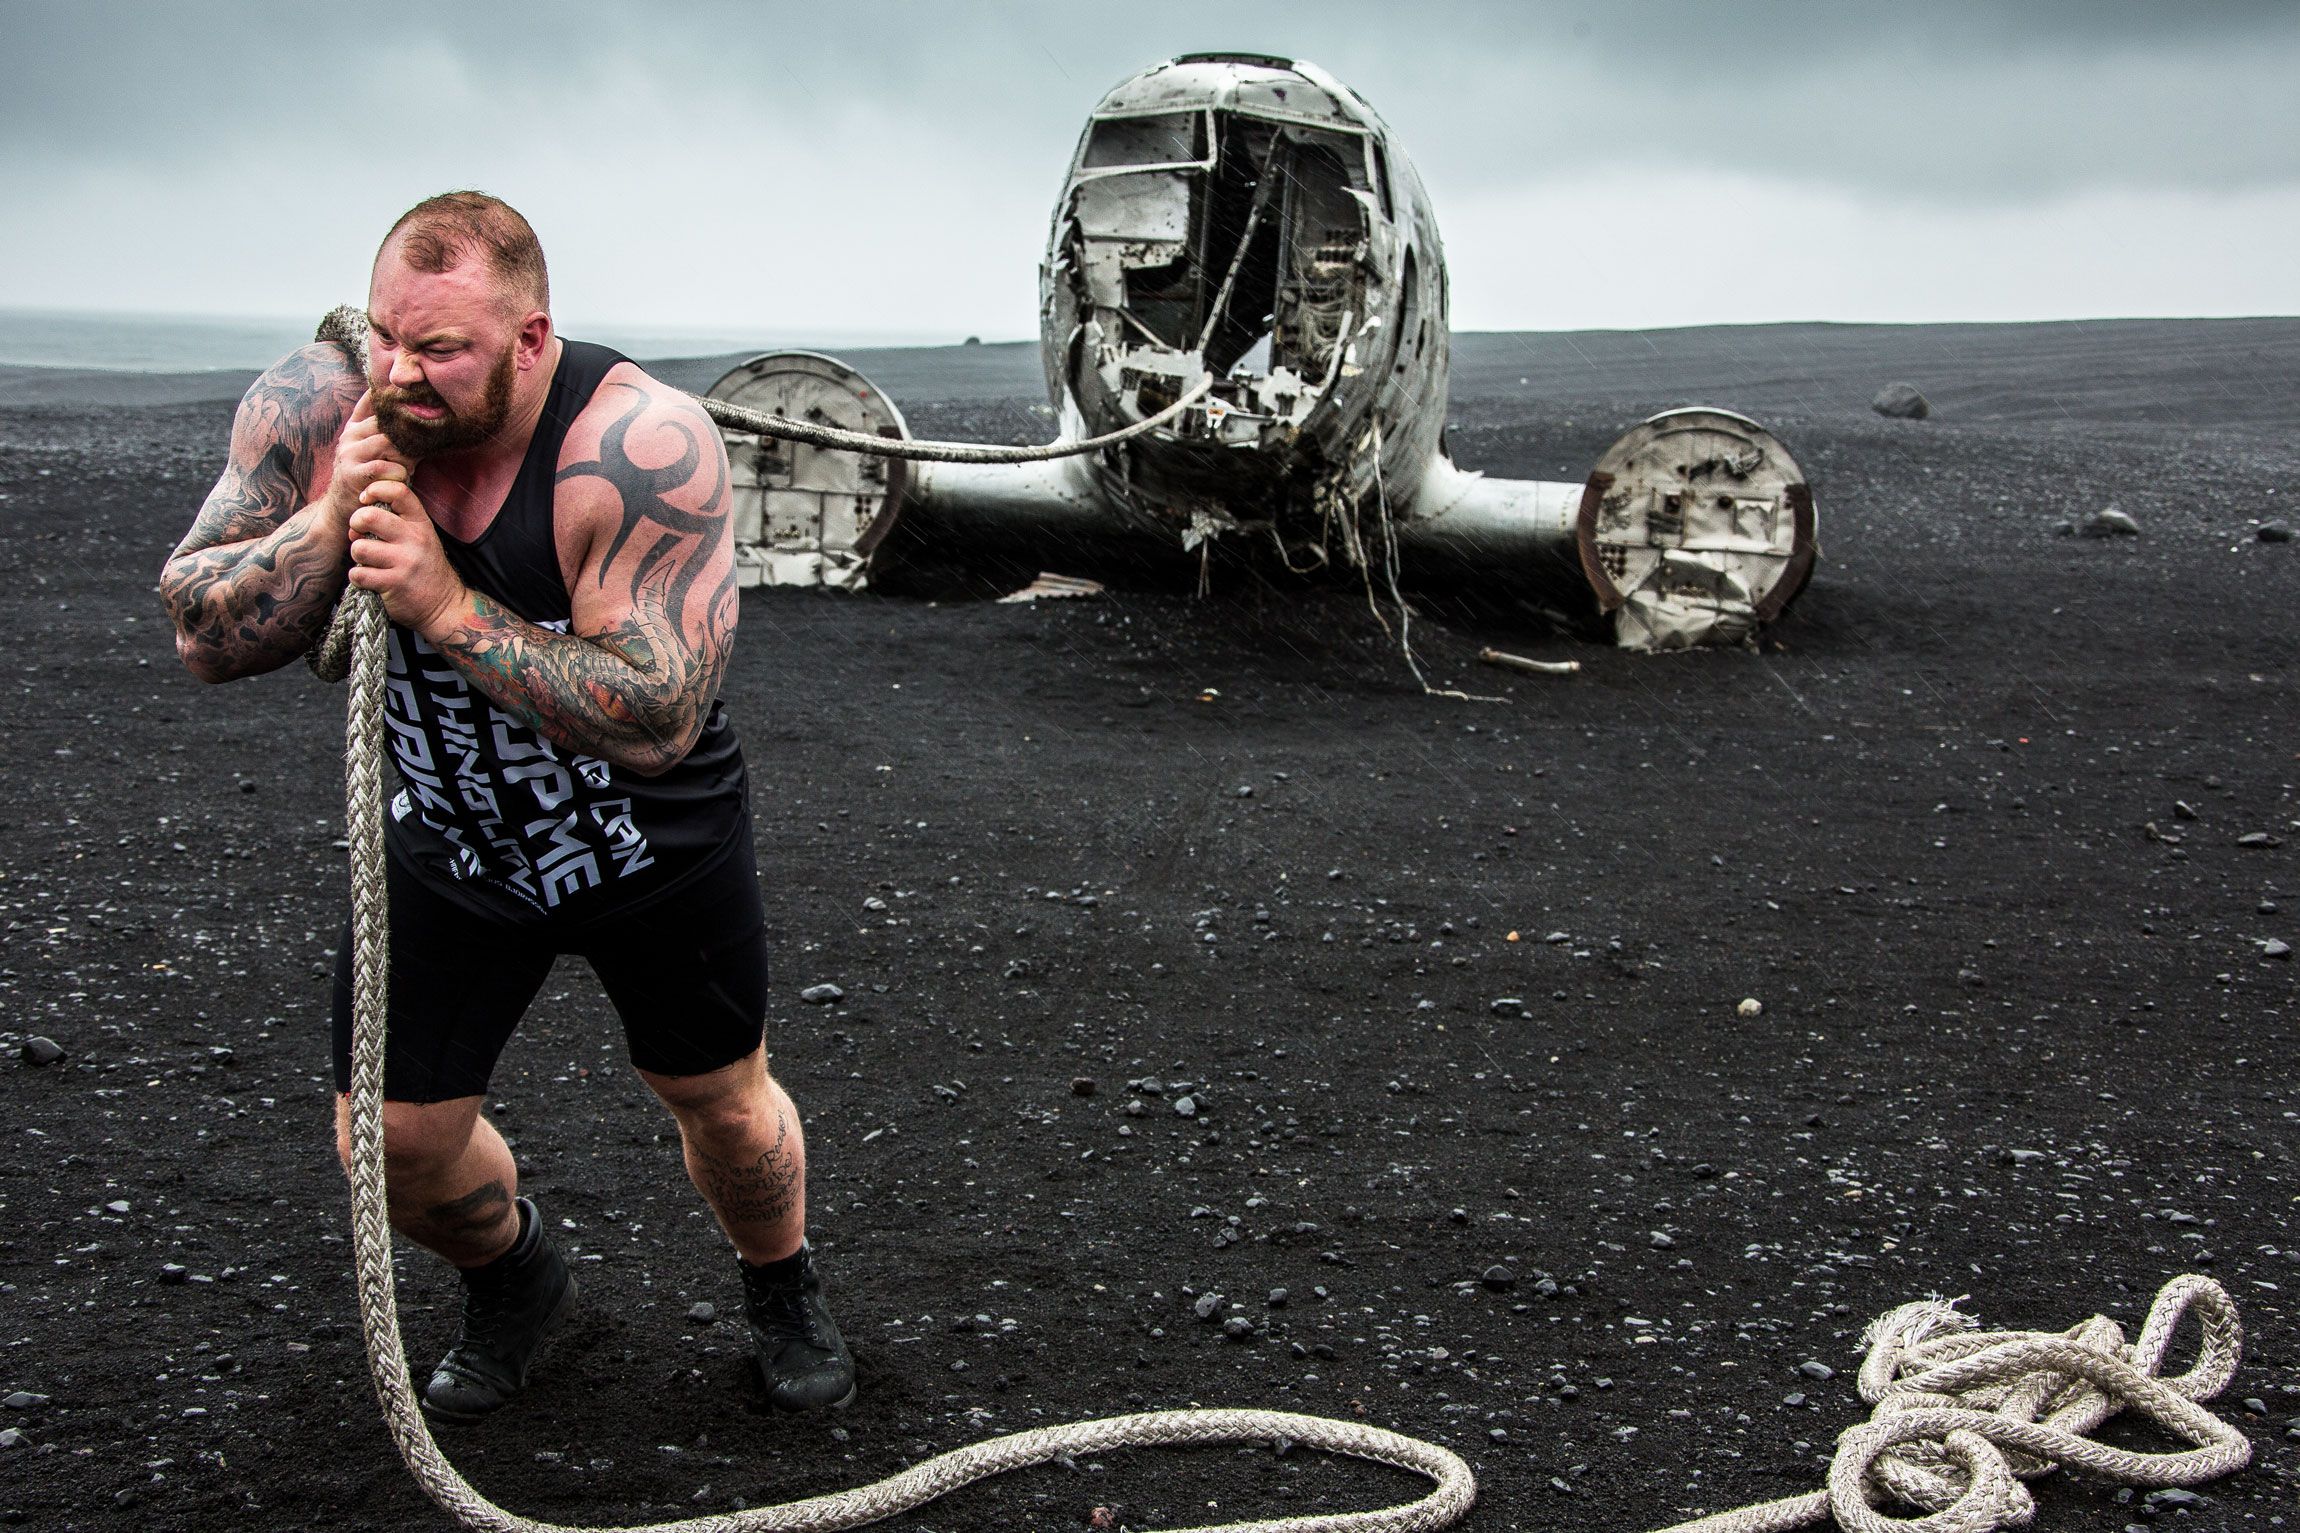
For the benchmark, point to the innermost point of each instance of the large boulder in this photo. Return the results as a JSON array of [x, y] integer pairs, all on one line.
[[1901, 401]]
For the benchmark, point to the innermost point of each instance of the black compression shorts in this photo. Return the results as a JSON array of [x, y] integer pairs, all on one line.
[[687, 973]]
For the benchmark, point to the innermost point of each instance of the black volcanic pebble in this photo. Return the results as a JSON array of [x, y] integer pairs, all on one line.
[[175, 1272], [1499, 1278], [2176, 1498], [41, 1051], [2274, 532], [703, 1313]]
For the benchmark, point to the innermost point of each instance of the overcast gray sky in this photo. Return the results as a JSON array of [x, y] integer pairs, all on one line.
[[887, 167]]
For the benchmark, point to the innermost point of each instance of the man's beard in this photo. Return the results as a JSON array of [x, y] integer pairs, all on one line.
[[421, 438]]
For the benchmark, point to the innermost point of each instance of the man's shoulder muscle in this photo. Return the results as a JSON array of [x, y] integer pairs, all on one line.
[[641, 451], [289, 419]]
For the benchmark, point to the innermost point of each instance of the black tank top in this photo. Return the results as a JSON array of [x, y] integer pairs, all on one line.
[[492, 813]]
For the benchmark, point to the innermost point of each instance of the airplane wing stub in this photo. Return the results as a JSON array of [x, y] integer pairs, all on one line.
[[1694, 528]]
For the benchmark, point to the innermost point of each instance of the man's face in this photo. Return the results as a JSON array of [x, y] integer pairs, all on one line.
[[442, 357]]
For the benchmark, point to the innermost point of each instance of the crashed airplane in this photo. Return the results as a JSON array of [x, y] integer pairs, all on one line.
[[1248, 220]]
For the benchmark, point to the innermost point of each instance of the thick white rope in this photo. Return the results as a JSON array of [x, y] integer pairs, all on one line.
[[1963, 1416], [737, 418], [347, 327]]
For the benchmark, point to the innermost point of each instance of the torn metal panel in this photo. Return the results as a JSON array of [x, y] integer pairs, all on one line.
[[1052, 587], [805, 516]]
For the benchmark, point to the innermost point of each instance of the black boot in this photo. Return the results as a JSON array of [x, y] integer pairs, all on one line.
[[803, 1361], [509, 1305]]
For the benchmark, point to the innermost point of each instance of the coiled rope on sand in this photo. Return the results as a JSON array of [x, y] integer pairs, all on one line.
[[1961, 1416]]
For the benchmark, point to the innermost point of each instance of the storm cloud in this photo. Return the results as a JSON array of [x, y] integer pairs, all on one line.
[[887, 167]]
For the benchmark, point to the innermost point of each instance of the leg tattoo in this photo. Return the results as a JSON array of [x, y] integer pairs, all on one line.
[[474, 1221], [756, 1193]]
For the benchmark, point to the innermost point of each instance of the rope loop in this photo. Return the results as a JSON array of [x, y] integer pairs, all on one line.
[[1961, 1417]]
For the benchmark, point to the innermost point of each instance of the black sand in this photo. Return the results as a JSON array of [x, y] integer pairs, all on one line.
[[2012, 1044]]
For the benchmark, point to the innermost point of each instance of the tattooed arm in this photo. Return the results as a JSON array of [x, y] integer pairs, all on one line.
[[653, 596], [251, 584]]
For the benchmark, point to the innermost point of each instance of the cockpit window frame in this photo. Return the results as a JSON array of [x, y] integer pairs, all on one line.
[[1081, 171]]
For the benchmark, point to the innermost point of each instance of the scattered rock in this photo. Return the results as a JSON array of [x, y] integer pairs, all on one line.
[[1499, 1278], [1082, 1085], [175, 1272], [2276, 947], [2183, 810], [41, 1051], [702, 1313], [2273, 532], [1277, 1298], [1207, 1306], [1816, 1370], [1662, 1242], [2176, 1499], [1507, 1006], [1238, 1328], [2259, 838], [1186, 1107], [822, 995], [14, 1438], [24, 1400], [1901, 401], [1750, 1006], [2108, 522]]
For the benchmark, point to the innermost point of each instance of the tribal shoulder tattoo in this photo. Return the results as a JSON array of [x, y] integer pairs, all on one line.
[[656, 617], [251, 584]]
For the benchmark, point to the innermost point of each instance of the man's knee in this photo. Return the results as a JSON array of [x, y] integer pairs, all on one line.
[[729, 1105], [420, 1139]]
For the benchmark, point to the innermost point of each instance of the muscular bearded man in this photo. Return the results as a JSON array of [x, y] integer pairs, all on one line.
[[548, 529]]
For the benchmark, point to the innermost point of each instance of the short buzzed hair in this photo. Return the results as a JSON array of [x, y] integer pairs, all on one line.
[[440, 233]]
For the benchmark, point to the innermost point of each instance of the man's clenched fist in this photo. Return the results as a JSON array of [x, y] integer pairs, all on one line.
[[364, 456], [395, 553]]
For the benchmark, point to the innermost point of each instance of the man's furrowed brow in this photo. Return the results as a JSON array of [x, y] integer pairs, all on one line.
[[415, 342]]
